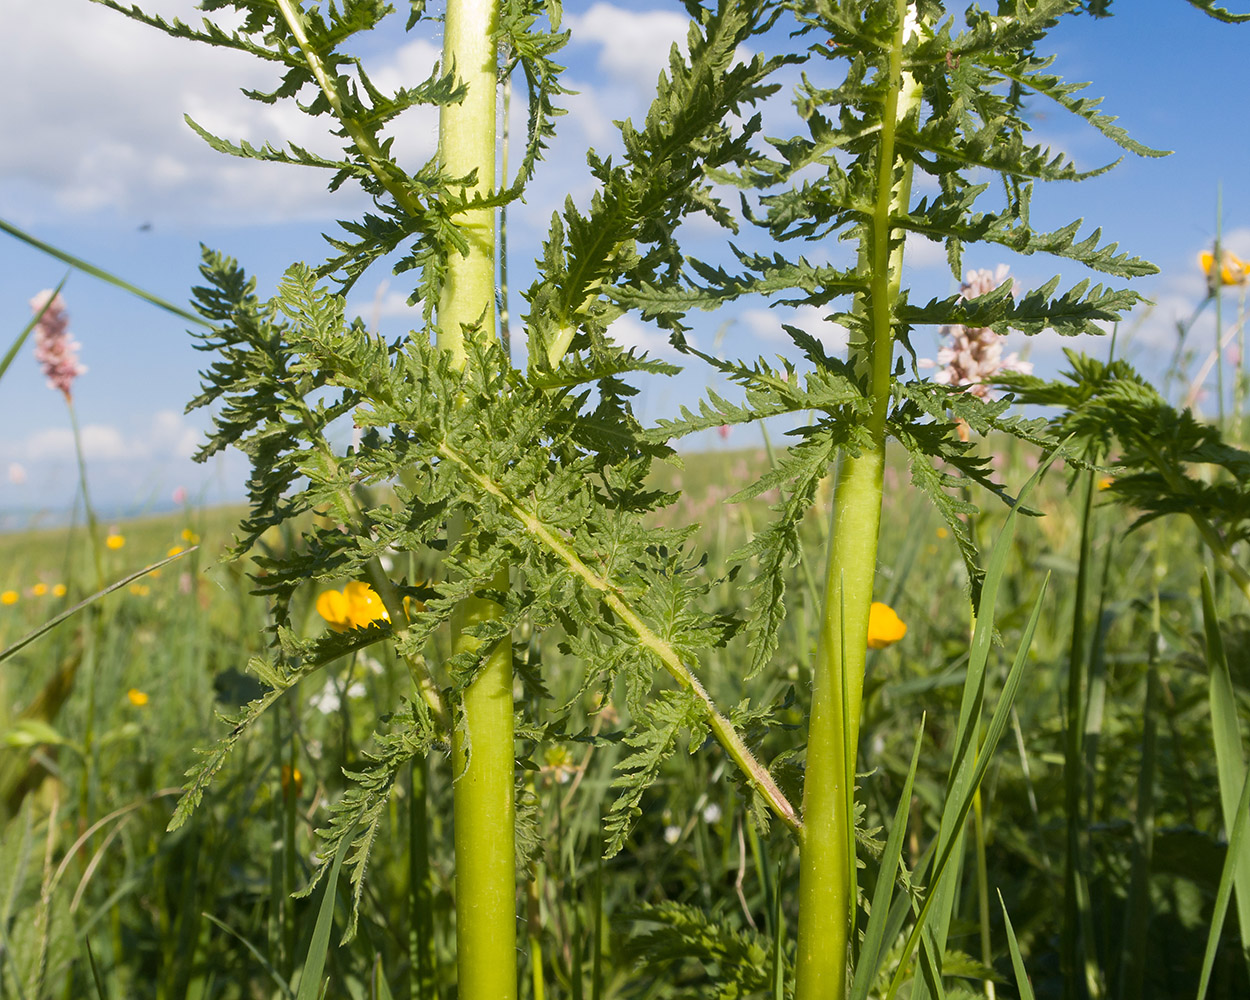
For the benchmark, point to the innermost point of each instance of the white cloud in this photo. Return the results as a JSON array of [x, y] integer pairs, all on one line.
[[383, 303], [635, 43], [629, 332], [922, 253], [163, 436], [99, 442], [95, 110], [767, 324]]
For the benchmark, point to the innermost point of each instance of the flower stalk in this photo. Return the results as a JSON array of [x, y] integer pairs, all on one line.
[[827, 895]]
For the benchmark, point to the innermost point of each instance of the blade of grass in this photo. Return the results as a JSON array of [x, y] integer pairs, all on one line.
[[380, 990], [86, 602], [1074, 942], [315, 962], [99, 272], [950, 831], [95, 971], [1132, 973], [421, 985], [779, 937], [1230, 761], [1023, 986], [1238, 850], [256, 953], [883, 894], [963, 804]]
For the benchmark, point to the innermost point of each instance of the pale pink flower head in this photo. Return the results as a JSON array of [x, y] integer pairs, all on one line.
[[55, 350], [974, 355]]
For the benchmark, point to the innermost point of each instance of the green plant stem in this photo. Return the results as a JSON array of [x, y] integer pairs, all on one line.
[[1132, 969], [1217, 270], [533, 922], [983, 890], [1239, 381], [826, 860], [92, 632], [93, 525], [378, 162], [421, 985], [483, 750], [1074, 942], [466, 142], [728, 737], [483, 756], [505, 328]]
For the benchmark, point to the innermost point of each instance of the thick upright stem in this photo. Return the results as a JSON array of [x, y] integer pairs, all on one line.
[[485, 820], [466, 142], [482, 741], [827, 855]]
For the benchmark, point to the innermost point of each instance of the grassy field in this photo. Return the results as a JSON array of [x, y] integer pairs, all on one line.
[[101, 715]]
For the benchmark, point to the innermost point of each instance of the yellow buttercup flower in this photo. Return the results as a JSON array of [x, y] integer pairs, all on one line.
[[357, 605], [190, 537], [114, 540], [1233, 270], [59, 590], [140, 589], [39, 589], [137, 698], [884, 626], [175, 550], [291, 780], [9, 597]]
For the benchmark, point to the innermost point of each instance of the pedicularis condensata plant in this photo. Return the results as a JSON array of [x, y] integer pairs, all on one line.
[[532, 483]]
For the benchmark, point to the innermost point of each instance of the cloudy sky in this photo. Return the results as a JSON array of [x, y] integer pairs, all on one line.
[[99, 161]]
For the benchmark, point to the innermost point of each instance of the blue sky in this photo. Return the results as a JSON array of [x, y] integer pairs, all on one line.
[[97, 149]]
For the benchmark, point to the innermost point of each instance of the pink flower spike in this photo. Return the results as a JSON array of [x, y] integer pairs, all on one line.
[[972, 356], [55, 350]]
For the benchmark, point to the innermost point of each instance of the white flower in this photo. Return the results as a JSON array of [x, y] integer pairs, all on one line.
[[356, 690], [326, 701], [711, 813], [672, 834]]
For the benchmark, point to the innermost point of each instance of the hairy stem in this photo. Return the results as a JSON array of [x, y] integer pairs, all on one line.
[[379, 164], [483, 749], [827, 856], [721, 727]]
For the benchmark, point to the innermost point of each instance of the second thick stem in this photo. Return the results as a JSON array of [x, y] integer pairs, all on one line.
[[827, 894]]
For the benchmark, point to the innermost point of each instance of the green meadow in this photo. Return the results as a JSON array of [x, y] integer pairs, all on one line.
[[96, 892]]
